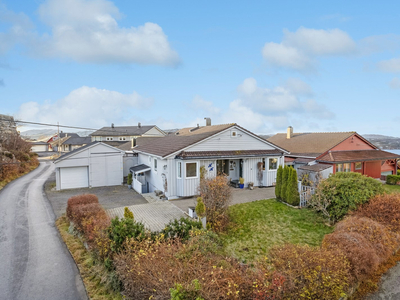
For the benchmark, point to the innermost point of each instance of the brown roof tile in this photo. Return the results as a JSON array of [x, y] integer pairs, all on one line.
[[312, 142], [356, 155]]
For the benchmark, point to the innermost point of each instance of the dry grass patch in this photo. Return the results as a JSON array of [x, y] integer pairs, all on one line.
[[98, 281]]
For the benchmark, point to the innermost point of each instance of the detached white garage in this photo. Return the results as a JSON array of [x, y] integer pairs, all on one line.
[[96, 164]]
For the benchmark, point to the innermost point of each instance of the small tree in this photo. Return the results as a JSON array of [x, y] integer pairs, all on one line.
[[292, 193], [200, 208], [278, 185], [128, 214], [285, 174], [130, 180], [216, 195]]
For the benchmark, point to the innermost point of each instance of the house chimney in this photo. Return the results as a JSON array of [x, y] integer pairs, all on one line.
[[289, 132], [112, 125], [139, 125], [208, 121]]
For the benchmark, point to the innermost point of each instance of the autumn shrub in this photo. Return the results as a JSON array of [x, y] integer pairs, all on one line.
[[80, 200], [216, 195], [181, 228], [8, 171], [342, 192], [384, 209], [312, 272], [82, 213], [381, 239], [358, 250], [151, 269], [93, 227], [123, 229]]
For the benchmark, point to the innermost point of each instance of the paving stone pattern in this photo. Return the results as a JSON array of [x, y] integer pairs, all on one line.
[[153, 215]]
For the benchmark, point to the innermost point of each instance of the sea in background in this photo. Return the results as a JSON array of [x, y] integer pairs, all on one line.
[[396, 151]]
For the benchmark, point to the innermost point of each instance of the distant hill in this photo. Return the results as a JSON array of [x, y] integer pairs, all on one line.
[[383, 141], [44, 134]]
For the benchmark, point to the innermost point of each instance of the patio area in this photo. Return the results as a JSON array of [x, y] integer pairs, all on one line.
[[238, 196]]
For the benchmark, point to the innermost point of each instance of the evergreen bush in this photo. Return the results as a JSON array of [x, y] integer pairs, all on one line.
[[393, 179], [292, 193], [285, 174], [181, 228], [278, 185], [128, 214], [122, 229]]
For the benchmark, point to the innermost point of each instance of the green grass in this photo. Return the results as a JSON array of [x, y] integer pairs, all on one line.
[[260, 225], [391, 188]]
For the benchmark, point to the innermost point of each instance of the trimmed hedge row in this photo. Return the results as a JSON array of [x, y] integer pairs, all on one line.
[[393, 179]]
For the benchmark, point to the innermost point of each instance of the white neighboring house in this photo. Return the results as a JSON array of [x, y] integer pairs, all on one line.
[[39, 147], [93, 165], [172, 163]]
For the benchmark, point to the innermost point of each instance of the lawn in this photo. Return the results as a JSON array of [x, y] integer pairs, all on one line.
[[258, 226], [391, 188]]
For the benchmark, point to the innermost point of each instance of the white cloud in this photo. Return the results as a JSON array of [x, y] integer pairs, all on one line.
[[206, 106], [87, 31], [395, 83], [85, 107], [299, 50], [299, 87], [390, 65]]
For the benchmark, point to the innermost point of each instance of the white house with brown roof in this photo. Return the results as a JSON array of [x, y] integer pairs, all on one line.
[[172, 163]]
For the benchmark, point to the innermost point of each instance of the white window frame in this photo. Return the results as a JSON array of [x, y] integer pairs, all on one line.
[[122, 138], [109, 138], [155, 164], [179, 170], [277, 164], [197, 171]]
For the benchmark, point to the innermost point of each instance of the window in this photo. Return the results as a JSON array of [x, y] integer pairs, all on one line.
[[155, 164], [122, 139], [273, 163], [179, 169], [233, 134], [109, 138], [191, 170], [358, 165], [263, 161], [339, 167], [347, 167]]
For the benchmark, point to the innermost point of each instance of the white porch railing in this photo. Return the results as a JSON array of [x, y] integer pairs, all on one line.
[[305, 193], [137, 185]]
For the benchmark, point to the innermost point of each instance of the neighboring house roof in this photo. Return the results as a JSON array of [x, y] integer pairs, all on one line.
[[70, 134], [78, 140], [216, 154], [315, 168], [310, 144], [127, 146], [356, 155], [124, 130], [39, 143], [80, 149], [172, 143], [59, 141]]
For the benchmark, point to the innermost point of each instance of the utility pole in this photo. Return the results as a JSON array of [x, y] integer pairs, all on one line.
[[58, 136]]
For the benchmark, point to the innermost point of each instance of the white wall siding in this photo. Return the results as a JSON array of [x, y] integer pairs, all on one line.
[[225, 141], [250, 170], [153, 132], [129, 161], [210, 166], [190, 185], [154, 178], [137, 185]]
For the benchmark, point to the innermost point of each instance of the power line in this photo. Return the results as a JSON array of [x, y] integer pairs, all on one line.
[[67, 126]]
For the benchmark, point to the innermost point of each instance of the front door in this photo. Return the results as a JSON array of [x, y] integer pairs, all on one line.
[[223, 167], [358, 167]]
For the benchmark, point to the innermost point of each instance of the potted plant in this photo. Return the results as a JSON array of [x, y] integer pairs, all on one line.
[[251, 185], [241, 182], [129, 181]]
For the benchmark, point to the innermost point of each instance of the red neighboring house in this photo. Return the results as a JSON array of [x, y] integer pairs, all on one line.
[[62, 135], [343, 151]]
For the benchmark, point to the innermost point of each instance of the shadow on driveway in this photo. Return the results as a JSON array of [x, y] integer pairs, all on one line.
[[109, 196]]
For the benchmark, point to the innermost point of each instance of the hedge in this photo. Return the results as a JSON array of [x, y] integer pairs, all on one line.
[[393, 179]]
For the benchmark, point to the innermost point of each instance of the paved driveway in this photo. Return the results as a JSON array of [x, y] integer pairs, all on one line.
[[109, 196], [238, 196], [35, 263]]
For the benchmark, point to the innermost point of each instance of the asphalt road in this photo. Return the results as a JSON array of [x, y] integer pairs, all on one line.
[[34, 262]]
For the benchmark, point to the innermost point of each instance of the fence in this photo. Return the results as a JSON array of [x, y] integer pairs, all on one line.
[[305, 193]]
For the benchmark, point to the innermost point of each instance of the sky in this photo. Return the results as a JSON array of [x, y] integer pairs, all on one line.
[[314, 65]]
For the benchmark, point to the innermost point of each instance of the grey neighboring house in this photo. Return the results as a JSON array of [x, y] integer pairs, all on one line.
[[118, 135]]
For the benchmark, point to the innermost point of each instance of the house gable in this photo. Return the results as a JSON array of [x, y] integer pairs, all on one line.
[[355, 142], [234, 138], [155, 131]]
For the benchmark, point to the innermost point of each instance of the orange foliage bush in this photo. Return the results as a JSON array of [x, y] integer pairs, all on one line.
[[148, 269], [93, 228], [82, 213], [384, 209], [80, 200], [383, 241], [312, 272], [360, 253], [216, 195], [8, 171]]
